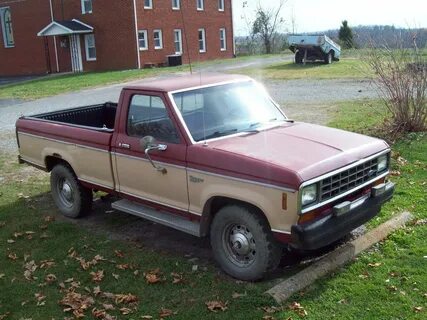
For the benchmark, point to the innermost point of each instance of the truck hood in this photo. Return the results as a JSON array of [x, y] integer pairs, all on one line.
[[302, 149]]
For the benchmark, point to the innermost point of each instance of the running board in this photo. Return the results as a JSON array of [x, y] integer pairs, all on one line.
[[160, 217]]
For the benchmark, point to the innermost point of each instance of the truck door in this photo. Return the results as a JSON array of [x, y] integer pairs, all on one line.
[[160, 182]]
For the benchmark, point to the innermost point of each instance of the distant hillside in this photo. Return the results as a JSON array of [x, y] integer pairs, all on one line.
[[382, 35]]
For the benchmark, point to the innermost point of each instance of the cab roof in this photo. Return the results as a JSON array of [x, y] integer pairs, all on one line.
[[178, 83]]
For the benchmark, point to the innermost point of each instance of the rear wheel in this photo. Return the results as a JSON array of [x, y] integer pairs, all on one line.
[[71, 198], [243, 244]]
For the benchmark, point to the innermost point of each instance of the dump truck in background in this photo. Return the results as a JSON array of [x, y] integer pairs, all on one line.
[[314, 47]]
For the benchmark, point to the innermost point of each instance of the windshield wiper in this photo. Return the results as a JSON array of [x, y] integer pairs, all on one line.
[[218, 134]]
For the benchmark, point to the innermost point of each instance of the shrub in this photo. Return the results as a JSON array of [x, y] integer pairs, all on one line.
[[401, 79]]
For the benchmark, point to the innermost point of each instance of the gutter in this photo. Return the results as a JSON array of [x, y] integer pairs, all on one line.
[[136, 34]]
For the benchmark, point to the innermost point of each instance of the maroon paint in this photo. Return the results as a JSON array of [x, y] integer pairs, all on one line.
[[66, 133]]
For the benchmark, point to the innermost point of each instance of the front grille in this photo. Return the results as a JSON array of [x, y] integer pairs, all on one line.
[[348, 179]]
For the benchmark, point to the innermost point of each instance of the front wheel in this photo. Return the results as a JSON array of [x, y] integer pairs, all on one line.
[[329, 58], [243, 244], [71, 198]]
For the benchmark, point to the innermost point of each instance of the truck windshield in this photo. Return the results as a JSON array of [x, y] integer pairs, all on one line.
[[226, 109]]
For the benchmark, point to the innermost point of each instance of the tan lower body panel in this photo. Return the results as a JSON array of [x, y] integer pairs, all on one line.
[[89, 164], [203, 186]]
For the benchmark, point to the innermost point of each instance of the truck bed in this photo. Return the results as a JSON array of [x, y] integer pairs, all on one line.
[[101, 116]]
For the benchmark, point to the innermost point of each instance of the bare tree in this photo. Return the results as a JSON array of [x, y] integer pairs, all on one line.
[[266, 24], [401, 78]]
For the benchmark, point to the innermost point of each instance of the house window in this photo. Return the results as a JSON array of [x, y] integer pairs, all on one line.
[[222, 39], [6, 26], [86, 6], [200, 5], [178, 41], [90, 47], [143, 40], [148, 4], [221, 5], [176, 4], [202, 40], [158, 41]]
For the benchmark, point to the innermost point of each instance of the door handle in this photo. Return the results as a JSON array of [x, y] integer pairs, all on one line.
[[124, 145]]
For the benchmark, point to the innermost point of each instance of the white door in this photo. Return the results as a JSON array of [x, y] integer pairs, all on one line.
[[76, 53]]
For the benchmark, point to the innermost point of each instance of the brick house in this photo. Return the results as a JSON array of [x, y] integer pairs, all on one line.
[[50, 36]]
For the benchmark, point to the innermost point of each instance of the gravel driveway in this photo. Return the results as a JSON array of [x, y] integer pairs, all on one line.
[[300, 98]]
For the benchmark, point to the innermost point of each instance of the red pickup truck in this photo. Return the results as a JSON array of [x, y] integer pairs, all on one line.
[[213, 156]]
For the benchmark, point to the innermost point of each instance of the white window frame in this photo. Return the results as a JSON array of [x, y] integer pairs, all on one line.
[[7, 44], [200, 5], [203, 39], [179, 32], [177, 6], [150, 4], [84, 9], [160, 39], [87, 36], [223, 38], [145, 33], [221, 5]]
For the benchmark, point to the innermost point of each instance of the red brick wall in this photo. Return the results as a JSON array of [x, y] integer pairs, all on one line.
[[114, 30], [163, 17], [28, 56]]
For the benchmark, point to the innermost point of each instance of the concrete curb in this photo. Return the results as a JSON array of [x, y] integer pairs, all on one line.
[[336, 258]]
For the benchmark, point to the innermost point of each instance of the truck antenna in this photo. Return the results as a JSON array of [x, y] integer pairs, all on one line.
[[186, 39]]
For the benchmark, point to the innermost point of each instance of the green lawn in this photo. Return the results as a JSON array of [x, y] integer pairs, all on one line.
[[42, 259], [346, 68], [57, 84]]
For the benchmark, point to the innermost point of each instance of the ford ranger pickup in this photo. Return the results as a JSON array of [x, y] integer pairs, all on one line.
[[213, 156]]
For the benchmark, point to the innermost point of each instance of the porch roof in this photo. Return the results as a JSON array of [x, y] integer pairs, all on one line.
[[65, 27]]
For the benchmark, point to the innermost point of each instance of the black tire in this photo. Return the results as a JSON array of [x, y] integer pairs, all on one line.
[[254, 251], [329, 58], [299, 57], [72, 199]]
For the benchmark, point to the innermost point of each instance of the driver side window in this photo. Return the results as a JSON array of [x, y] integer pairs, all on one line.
[[148, 116]]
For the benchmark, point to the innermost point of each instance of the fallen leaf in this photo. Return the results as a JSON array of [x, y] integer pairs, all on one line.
[[2, 275], [12, 256], [76, 303], [165, 313], [49, 218], [119, 253], [115, 276], [296, 307], [99, 313], [108, 307], [271, 309], [236, 295], [4, 316], [96, 290], [215, 306], [395, 173], [126, 298], [177, 278], [97, 276], [46, 264], [125, 311], [10, 241], [40, 297], [122, 266], [50, 278], [146, 317], [418, 309], [268, 317], [30, 268], [375, 265]]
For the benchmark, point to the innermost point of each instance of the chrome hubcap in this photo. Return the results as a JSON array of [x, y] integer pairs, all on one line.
[[65, 192], [239, 245]]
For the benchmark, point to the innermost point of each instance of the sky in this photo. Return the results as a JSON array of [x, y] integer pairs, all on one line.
[[321, 15]]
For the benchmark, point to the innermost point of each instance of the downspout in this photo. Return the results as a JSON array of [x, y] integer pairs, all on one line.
[[232, 29], [136, 34], [54, 38]]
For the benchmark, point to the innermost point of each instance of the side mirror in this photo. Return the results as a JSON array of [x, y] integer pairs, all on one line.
[[148, 144]]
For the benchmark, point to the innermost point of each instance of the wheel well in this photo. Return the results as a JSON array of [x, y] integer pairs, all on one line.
[[213, 205], [55, 159]]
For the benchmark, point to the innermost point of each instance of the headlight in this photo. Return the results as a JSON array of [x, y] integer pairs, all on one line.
[[382, 163], [309, 195]]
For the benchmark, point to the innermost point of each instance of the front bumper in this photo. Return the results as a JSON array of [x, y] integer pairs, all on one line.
[[346, 217]]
